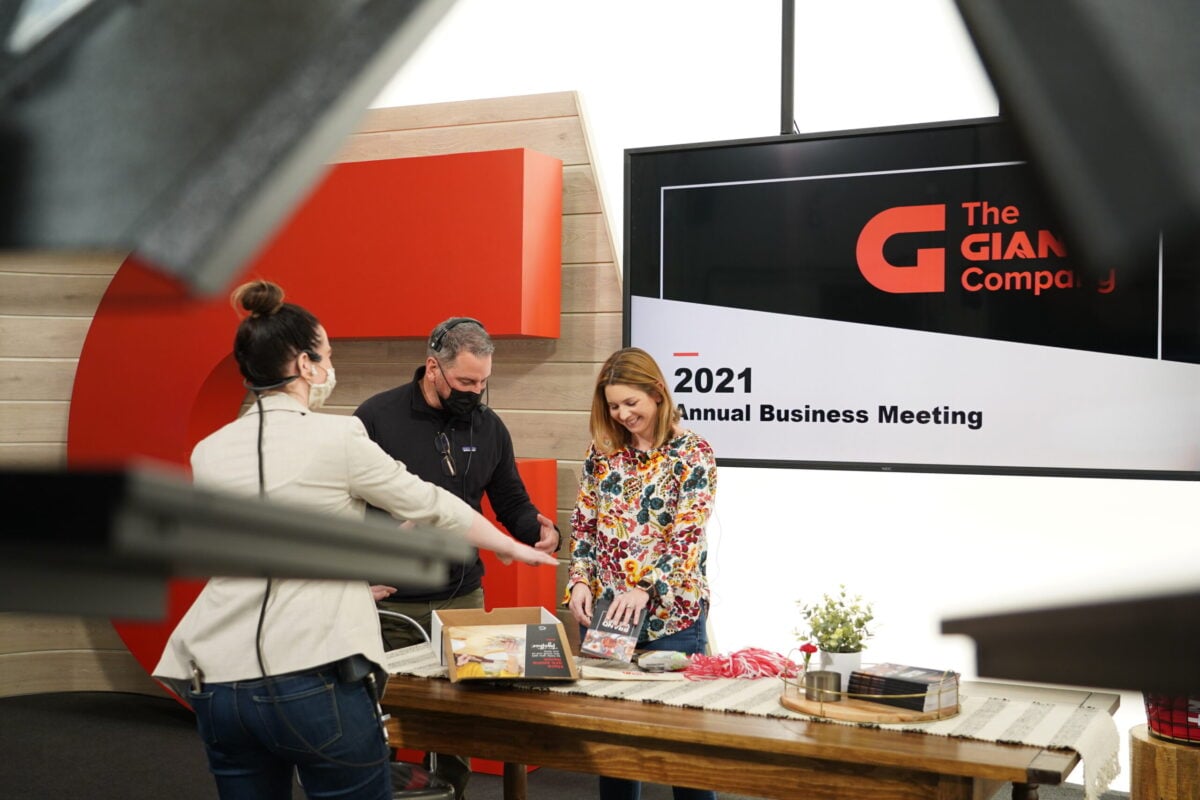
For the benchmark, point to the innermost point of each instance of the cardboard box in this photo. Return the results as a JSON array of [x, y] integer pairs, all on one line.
[[502, 644]]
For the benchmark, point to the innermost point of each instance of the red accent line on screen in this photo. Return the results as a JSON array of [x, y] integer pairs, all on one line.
[[686, 354]]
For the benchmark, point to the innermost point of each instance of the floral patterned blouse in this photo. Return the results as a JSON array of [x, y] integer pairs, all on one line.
[[642, 514]]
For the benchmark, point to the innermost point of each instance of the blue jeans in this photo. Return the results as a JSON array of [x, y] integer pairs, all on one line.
[[324, 728], [690, 641]]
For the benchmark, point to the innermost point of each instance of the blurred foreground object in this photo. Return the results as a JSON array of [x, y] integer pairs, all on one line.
[[1147, 643], [104, 542], [1106, 95], [183, 131]]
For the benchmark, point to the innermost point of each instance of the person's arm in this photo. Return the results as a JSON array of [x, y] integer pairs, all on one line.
[[510, 499], [366, 413], [486, 536], [386, 483], [582, 568], [697, 492]]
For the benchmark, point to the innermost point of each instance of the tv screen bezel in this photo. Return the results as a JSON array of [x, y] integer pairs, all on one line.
[[857, 466]]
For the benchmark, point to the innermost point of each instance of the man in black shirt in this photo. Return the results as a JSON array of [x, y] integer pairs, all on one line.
[[437, 426]]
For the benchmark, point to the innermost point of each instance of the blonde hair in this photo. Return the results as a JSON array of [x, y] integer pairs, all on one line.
[[635, 368]]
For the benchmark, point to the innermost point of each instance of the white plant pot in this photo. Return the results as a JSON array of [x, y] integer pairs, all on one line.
[[842, 663]]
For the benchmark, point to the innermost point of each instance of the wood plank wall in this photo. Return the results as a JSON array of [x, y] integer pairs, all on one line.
[[541, 388]]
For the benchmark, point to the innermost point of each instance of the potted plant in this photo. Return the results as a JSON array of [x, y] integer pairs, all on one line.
[[838, 625]]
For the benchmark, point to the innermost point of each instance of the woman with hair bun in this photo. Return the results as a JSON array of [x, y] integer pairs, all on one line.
[[646, 493], [283, 674]]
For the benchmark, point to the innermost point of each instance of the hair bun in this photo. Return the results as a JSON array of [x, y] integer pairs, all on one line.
[[259, 298]]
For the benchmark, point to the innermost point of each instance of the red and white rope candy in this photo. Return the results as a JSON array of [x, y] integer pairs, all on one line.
[[752, 662]]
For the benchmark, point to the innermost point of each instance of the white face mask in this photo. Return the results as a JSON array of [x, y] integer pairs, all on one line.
[[318, 393]]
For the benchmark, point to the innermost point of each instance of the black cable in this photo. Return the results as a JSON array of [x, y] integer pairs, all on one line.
[[262, 481]]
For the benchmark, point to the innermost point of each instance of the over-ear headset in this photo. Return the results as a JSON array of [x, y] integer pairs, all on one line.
[[435, 343]]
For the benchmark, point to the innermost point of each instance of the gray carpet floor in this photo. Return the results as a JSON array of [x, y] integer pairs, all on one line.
[[107, 746]]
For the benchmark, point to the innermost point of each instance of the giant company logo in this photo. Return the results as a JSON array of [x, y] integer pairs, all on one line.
[[990, 253]]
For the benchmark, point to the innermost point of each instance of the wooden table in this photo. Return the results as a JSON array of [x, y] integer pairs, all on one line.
[[729, 752]]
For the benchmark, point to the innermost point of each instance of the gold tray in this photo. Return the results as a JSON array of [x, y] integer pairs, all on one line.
[[855, 707]]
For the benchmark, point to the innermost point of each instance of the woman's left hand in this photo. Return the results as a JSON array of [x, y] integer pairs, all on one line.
[[626, 605]]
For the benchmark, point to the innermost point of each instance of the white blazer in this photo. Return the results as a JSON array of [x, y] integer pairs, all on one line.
[[324, 462]]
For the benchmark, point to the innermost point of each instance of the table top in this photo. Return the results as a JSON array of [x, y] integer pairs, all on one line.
[[562, 717]]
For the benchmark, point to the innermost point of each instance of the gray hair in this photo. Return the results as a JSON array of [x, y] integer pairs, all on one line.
[[458, 334]]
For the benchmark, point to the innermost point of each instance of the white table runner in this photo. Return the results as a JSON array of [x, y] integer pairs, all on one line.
[[1091, 732]]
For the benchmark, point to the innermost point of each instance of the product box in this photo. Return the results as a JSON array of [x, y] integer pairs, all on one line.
[[502, 644]]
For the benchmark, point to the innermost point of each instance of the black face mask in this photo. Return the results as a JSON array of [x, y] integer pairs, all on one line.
[[461, 403], [458, 403]]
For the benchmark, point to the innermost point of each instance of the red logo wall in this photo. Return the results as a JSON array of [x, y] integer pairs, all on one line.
[[379, 249]]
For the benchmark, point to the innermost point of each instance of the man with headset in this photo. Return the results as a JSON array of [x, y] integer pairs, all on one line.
[[437, 426]]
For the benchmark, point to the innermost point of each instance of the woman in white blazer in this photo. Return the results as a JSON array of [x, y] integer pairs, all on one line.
[[282, 673]]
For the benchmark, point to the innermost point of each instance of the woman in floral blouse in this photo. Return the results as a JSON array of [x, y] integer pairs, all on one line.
[[638, 527]]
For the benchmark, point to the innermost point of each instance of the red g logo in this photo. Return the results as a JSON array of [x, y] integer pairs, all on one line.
[[927, 275], [376, 249]]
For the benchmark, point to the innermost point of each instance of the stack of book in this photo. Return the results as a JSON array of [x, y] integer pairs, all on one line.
[[903, 686]]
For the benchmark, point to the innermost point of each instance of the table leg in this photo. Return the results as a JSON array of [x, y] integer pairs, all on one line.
[[1025, 791], [516, 782]]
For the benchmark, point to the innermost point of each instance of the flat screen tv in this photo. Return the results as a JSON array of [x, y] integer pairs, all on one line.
[[903, 299]]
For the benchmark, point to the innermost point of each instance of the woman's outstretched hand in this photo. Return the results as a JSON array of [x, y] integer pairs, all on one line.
[[527, 555], [486, 536], [379, 591]]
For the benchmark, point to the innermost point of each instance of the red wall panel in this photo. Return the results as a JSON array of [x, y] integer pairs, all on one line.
[[379, 249]]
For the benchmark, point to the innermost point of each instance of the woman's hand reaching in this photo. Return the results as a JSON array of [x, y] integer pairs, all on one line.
[[379, 591], [487, 536], [527, 555]]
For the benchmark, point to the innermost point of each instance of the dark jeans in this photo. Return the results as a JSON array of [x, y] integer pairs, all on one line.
[[691, 641], [322, 727]]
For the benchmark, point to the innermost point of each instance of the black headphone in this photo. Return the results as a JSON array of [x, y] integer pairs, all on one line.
[[435, 342]]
